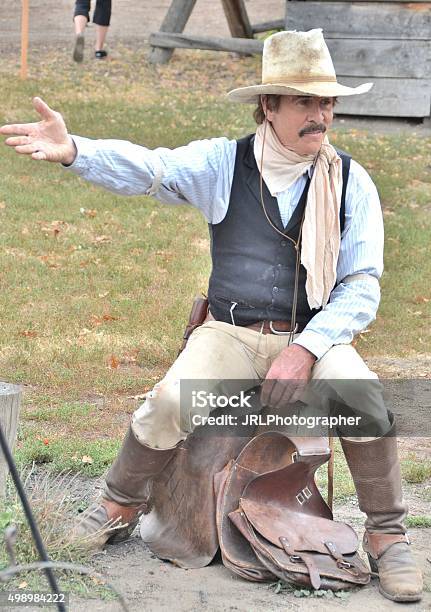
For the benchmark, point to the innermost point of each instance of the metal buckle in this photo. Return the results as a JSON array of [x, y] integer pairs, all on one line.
[[307, 493], [294, 456], [304, 495], [300, 498], [344, 565], [282, 333]]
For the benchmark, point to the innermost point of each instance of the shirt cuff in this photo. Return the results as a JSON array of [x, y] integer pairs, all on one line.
[[85, 148], [313, 342]]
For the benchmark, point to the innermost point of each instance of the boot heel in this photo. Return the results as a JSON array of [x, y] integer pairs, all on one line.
[[373, 564]]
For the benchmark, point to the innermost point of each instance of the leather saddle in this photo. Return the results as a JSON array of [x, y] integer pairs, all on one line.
[[255, 498], [272, 518]]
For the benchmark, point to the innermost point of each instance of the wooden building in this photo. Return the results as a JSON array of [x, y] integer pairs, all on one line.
[[388, 43]]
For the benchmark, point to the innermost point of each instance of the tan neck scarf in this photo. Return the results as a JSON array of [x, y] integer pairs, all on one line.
[[321, 230]]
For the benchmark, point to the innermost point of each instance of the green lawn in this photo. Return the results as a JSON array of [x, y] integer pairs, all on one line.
[[95, 288]]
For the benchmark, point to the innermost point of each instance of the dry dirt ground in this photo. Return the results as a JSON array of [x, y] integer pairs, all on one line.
[[147, 583], [132, 20], [153, 585]]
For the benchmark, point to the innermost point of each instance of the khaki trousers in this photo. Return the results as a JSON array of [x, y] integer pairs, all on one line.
[[223, 352]]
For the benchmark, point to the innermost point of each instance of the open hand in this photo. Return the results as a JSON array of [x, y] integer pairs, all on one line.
[[287, 377], [46, 140]]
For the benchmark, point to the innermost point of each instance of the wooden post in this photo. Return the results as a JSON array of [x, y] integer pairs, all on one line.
[[10, 397], [237, 18], [24, 37], [175, 21], [191, 41], [276, 24]]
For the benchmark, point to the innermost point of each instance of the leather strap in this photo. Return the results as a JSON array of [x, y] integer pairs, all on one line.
[[346, 564], [266, 327], [306, 558], [378, 543]]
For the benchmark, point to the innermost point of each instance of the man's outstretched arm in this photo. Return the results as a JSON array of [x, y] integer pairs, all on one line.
[[45, 140], [199, 173]]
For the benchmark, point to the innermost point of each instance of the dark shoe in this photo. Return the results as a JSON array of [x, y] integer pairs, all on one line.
[[126, 494], [100, 54], [375, 469], [78, 50], [390, 557]]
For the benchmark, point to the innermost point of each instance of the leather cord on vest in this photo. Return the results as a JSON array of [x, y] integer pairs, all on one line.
[[296, 243]]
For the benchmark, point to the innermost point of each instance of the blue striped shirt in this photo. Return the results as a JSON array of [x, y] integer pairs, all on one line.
[[201, 174]]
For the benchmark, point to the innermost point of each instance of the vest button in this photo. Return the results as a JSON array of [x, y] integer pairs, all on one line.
[[283, 243], [275, 289]]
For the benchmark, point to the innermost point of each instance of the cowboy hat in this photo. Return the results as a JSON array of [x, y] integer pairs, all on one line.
[[296, 63]]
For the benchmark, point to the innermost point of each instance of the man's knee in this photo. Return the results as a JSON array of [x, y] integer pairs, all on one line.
[[342, 361], [157, 422]]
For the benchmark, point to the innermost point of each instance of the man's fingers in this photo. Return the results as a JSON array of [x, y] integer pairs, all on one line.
[[16, 128], [43, 109], [298, 393], [28, 149], [39, 155], [266, 391], [281, 394], [17, 141]]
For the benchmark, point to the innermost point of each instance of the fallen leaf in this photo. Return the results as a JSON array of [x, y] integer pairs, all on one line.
[[46, 441], [28, 333], [101, 239], [99, 320], [88, 212], [54, 228], [87, 459], [23, 585], [113, 362]]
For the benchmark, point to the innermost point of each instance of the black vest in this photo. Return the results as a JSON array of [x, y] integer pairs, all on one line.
[[252, 265]]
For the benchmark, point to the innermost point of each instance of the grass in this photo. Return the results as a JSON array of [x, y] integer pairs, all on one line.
[[418, 522], [55, 501], [415, 470], [96, 288]]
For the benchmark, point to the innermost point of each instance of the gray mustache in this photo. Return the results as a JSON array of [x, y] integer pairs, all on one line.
[[311, 129]]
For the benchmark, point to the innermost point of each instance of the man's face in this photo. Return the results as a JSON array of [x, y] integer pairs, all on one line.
[[301, 122]]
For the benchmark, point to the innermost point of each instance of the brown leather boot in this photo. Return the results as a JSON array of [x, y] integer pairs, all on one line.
[[375, 469], [125, 497]]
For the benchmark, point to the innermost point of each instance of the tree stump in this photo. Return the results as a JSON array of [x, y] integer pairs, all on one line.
[[10, 398]]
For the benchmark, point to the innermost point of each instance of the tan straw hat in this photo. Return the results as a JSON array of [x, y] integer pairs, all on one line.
[[296, 63]]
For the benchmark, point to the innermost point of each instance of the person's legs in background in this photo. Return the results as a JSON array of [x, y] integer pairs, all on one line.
[[102, 18], [81, 17]]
